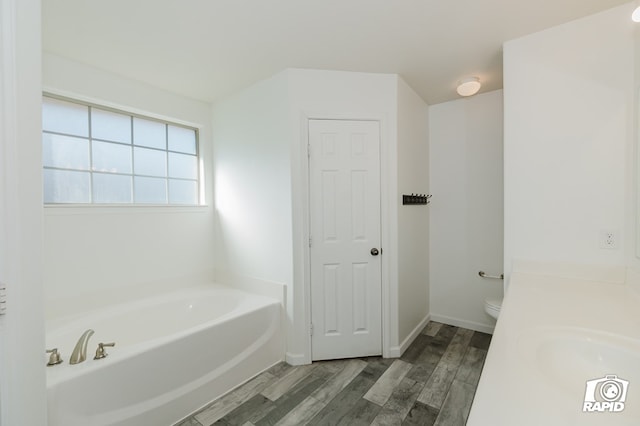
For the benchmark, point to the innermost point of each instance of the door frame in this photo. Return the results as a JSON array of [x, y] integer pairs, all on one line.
[[386, 193], [23, 394]]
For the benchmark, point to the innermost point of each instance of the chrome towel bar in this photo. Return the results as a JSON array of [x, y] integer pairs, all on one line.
[[496, 277]]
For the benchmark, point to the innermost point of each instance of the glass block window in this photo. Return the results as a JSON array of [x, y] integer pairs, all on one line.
[[97, 155]]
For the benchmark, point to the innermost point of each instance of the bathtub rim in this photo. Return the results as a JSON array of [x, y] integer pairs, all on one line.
[[63, 372]]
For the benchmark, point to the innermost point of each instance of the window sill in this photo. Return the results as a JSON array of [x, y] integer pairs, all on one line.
[[73, 209]]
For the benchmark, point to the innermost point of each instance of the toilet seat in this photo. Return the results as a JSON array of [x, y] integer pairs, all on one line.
[[492, 307]]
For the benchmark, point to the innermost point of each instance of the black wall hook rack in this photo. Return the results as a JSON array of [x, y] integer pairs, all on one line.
[[416, 199]]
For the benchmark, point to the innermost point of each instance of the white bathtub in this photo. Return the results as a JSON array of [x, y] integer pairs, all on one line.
[[174, 353]]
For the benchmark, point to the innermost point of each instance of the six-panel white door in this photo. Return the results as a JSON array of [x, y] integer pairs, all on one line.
[[344, 194]]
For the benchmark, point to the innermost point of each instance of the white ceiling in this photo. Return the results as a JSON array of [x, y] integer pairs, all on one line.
[[207, 49]]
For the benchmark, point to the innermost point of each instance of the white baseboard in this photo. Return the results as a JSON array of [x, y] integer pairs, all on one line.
[[471, 325], [394, 352], [296, 359], [397, 351]]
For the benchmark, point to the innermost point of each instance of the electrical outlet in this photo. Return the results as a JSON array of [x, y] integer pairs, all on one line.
[[608, 239]]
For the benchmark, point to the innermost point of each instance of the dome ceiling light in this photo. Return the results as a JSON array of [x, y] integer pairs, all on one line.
[[468, 86], [635, 16]]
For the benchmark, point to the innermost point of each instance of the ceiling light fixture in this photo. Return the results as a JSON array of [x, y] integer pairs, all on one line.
[[468, 86], [635, 16]]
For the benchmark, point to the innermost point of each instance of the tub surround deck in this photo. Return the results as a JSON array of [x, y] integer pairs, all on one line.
[[556, 331]]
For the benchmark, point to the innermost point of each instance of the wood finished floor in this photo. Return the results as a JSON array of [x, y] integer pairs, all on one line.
[[433, 383]]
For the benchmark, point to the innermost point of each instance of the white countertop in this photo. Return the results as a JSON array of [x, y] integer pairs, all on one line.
[[553, 335]]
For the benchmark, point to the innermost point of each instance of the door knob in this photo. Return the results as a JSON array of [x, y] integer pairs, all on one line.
[[374, 252]]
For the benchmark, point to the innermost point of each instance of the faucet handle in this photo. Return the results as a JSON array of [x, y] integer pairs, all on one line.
[[55, 358], [100, 352]]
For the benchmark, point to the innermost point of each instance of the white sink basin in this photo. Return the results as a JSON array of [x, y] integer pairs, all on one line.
[[566, 358]]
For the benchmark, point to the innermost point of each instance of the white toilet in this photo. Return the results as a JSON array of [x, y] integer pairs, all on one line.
[[492, 307]]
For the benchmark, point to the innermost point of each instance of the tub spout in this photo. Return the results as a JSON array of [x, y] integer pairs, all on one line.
[[80, 351]]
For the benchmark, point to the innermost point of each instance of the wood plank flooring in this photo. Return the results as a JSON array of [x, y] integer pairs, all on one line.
[[433, 383]]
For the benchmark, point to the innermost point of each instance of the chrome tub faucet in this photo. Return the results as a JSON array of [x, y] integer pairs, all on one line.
[[80, 351]]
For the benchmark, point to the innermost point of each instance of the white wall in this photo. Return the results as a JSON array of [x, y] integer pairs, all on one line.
[[261, 188], [466, 228], [413, 220], [91, 251], [568, 98], [252, 182], [253, 188], [633, 189], [343, 95], [22, 371]]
